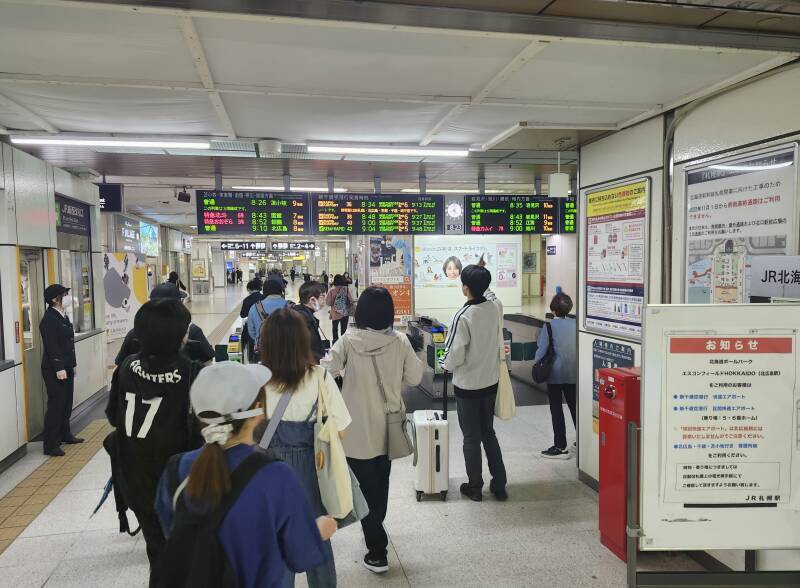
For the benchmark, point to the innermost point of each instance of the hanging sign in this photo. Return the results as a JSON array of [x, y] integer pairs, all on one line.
[[615, 258], [242, 246], [738, 209], [72, 217], [292, 246]]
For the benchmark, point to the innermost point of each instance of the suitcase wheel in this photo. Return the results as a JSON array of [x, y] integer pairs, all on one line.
[[443, 494], [419, 496]]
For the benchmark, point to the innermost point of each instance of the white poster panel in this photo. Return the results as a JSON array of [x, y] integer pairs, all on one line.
[[125, 288], [775, 276], [720, 442], [738, 208], [439, 265], [616, 232]]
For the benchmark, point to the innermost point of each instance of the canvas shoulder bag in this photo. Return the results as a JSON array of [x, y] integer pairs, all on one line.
[[505, 406], [399, 442]]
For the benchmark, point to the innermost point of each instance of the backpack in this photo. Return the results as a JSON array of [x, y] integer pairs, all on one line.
[[341, 302], [193, 555], [543, 367]]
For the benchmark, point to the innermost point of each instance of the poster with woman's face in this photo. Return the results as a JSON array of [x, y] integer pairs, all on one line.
[[441, 265]]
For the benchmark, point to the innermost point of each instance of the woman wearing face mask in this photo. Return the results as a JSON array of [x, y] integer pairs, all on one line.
[[312, 299], [59, 368]]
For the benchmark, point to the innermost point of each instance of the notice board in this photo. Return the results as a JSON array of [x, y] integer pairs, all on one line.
[[616, 258], [738, 208], [720, 444]]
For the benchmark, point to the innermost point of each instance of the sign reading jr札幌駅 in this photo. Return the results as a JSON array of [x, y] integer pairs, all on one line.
[[775, 276], [72, 217], [727, 437], [738, 210], [615, 258]]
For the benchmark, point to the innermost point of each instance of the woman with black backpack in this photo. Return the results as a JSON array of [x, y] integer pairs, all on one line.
[[232, 514], [561, 335]]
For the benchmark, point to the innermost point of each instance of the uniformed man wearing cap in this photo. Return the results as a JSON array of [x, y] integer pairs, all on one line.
[[58, 369]]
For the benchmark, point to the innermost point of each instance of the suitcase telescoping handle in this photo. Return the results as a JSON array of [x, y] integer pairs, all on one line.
[[444, 395]]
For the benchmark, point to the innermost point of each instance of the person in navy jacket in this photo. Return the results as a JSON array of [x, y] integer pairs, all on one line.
[[59, 368]]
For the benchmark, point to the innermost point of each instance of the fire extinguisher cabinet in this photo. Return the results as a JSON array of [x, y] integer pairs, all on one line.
[[619, 405]]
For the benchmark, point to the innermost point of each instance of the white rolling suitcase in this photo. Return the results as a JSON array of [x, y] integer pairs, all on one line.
[[432, 450]]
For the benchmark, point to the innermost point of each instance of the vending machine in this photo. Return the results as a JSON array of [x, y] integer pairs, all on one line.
[[619, 405]]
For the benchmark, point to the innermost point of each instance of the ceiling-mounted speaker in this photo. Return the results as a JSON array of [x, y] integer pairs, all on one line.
[[183, 196], [558, 185], [269, 148]]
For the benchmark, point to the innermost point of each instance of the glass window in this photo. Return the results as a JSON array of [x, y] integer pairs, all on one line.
[[75, 264]]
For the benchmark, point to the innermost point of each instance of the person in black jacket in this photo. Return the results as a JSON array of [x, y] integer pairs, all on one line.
[[197, 347], [149, 406], [312, 298], [254, 288], [59, 368], [175, 280]]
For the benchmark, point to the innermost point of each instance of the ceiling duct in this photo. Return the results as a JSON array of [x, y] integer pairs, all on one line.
[[763, 6]]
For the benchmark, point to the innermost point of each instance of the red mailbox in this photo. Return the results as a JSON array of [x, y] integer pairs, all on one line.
[[619, 405]]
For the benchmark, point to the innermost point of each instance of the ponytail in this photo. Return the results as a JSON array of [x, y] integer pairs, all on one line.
[[209, 479]]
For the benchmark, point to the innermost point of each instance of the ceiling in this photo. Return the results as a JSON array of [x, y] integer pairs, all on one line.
[[516, 99]]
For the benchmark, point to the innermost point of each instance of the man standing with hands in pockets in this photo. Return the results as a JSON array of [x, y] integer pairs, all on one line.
[[58, 369]]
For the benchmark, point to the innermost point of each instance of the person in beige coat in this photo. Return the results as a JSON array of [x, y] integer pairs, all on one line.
[[366, 444]]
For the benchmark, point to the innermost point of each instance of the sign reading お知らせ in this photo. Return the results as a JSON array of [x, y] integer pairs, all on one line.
[[615, 258], [739, 208]]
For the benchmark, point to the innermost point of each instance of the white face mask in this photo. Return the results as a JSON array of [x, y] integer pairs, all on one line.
[[315, 304]]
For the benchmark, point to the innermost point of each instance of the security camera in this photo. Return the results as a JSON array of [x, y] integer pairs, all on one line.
[[184, 196]]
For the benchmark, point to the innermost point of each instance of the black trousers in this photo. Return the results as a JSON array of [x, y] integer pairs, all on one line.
[[373, 475], [554, 392], [59, 409], [476, 418], [336, 324], [153, 537]]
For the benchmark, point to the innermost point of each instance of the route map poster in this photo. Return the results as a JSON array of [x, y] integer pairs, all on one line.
[[737, 209], [390, 266], [615, 258]]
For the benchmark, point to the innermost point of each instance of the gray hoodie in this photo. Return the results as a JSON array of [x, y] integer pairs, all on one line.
[[397, 364], [474, 346]]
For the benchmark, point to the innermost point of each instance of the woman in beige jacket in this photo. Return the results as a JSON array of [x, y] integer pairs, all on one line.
[[366, 444]]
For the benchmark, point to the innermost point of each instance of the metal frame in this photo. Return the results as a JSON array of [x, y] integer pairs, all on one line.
[[636, 579]]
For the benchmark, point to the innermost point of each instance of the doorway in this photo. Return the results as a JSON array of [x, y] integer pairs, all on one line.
[[31, 280]]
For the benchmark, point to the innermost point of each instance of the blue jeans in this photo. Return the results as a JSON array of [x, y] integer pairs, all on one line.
[[294, 443]]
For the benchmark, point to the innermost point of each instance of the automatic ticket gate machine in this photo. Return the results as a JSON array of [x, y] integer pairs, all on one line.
[[428, 336]]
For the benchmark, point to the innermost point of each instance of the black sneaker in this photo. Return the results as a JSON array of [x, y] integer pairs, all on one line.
[[376, 565], [499, 492], [471, 493], [556, 453], [57, 452]]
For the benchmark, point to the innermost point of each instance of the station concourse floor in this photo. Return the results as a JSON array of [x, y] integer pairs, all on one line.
[[545, 535]]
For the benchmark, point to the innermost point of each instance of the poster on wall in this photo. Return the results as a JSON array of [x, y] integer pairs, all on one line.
[[148, 238], [606, 354], [125, 287], [530, 263], [390, 266], [738, 208], [199, 269], [507, 255], [440, 266], [615, 258]]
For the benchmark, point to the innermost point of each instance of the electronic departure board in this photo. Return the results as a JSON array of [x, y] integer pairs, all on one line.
[[510, 214], [251, 212], [378, 214], [568, 215]]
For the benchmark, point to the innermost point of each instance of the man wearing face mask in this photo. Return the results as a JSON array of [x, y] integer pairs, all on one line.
[[311, 300], [58, 369]]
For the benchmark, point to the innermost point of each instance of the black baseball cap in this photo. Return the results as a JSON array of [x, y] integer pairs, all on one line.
[[54, 291], [166, 290]]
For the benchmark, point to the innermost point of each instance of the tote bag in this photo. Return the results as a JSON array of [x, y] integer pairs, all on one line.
[[333, 473], [505, 407]]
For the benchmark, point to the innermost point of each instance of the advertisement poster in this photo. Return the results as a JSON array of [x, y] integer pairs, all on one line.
[[440, 265], [507, 265], [127, 235], [606, 354], [148, 237], [390, 266], [530, 263], [199, 269], [125, 287], [737, 209], [615, 258], [727, 433]]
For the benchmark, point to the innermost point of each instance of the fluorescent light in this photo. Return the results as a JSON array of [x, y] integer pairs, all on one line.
[[90, 142], [451, 191], [752, 167], [280, 189], [376, 150]]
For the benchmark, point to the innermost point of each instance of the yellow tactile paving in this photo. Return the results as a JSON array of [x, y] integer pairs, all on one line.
[[23, 504]]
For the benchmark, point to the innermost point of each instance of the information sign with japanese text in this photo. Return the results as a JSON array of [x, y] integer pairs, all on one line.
[[382, 214], [292, 246], [738, 209], [243, 245], [616, 258], [258, 213], [720, 439]]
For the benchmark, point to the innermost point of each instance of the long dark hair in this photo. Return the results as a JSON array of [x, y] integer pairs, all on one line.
[[209, 479], [286, 349]]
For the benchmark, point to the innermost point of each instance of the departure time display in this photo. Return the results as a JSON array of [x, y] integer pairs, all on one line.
[[378, 214], [510, 214], [237, 212], [568, 214]]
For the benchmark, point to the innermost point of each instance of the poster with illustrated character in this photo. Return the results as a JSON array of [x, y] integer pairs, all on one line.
[[507, 255], [125, 287], [390, 266], [440, 265]]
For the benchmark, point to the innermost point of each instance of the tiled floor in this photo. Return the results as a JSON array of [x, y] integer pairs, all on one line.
[[545, 535]]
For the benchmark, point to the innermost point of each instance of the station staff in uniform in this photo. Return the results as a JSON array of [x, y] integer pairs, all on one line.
[[58, 369]]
